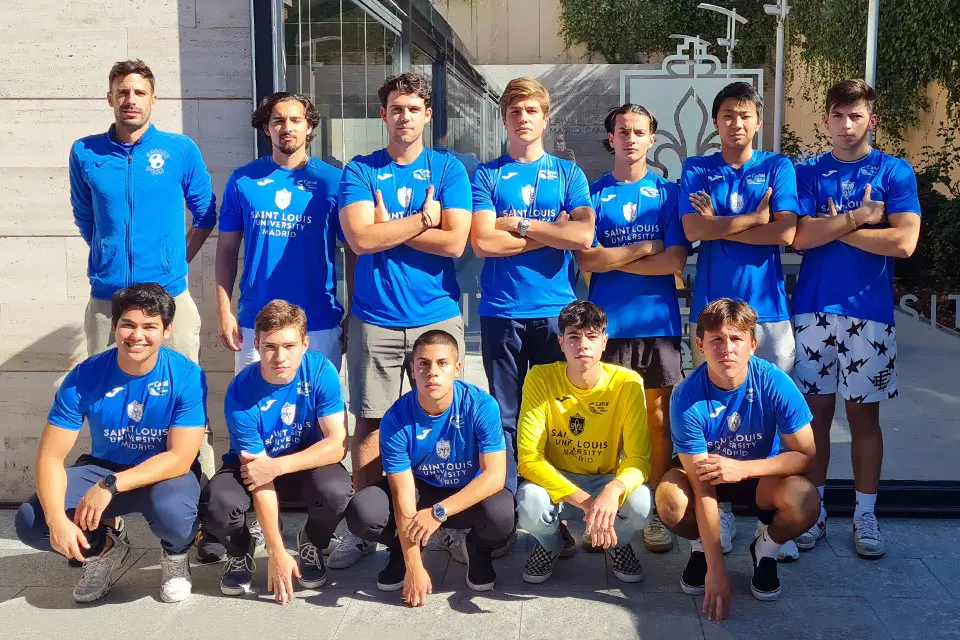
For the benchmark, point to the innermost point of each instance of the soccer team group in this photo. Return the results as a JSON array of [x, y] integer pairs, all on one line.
[[588, 416]]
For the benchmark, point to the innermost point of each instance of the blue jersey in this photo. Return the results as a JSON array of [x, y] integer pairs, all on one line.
[[443, 451], [130, 416], [838, 278], [402, 286], [744, 423], [536, 284], [279, 419], [728, 269], [627, 213], [289, 219]]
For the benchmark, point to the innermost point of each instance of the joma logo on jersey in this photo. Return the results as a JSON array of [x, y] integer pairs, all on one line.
[[283, 198], [528, 192], [630, 211], [443, 449], [577, 424], [403, 196]]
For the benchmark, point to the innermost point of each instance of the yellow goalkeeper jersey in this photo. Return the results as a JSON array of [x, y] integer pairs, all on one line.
[[596, 431]]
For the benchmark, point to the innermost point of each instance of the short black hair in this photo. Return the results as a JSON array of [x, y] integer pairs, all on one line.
[[435, 336], [261, 116], [741, 92], [610, 122], [124, 68], [407, 83], [150, 297], [580, 315]]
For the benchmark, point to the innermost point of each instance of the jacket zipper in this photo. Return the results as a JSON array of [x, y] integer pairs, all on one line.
[[130, 220]]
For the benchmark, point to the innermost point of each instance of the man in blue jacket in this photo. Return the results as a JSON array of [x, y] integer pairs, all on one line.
[[127, 188]]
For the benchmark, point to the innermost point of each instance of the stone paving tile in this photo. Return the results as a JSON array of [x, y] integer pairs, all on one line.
[[891, 577], [45, 569], [800, 618], [919, 619], [609, 614], [903, 537], [8, 593], [125, 613], [947, 571], [457, 615]]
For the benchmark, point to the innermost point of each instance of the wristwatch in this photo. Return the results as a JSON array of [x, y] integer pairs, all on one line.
[[110, 484], [851, 219], [522, 227], [439, 513]]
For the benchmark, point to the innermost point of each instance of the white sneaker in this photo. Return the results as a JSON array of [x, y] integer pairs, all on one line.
[[808, 539], [788, 551], [866, 536], [100, 571], [176, 583], [656, 537], [728, 527], [452, 541], [349, 552]]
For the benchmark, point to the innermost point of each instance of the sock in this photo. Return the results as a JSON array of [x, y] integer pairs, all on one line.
[[696, 545], [823, 508], [766, 547], [865, 504]]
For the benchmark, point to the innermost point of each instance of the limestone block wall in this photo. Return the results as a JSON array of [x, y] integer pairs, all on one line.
[[53, 85]]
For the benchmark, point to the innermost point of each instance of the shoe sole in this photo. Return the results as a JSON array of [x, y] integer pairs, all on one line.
[[765, 596], [691, 591], [807, 546], [871, 555], [170, 600], [236, 591], [333, 563], [537, 579], [663, 547], [312, 584], [630, 578], [479, 587], [113, 578], [389, 587]]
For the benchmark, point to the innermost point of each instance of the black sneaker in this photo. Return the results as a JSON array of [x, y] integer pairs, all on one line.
[[765, 584], [391, 576], [237, 575], [694, 577], [569, 543], [626, 567], [209, 549], [480, 573], [313, 572], [120, 531], [539, 566]]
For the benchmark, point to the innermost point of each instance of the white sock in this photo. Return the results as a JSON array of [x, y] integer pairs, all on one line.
[[823, 509], [696, 545], [865, 504], [766, 547]]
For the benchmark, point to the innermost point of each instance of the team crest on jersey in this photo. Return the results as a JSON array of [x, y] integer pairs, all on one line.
[[135, 411], [421, 174], [443, 449], [869, 170], [756, 179], [528, 192], [288, 413], [547, 174], [159, 388], [733, 422], [846, 188], [577, 424], [736, 202], [650, 192], [156, 159], [630, 211], [283, 198], [403, 196]]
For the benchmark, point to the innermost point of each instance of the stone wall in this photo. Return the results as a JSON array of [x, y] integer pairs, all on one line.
[[53, 85]]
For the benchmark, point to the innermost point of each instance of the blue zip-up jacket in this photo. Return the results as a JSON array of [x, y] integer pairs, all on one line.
[[128, 204]]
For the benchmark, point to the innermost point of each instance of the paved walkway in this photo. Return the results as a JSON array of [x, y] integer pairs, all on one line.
[[913, 593]]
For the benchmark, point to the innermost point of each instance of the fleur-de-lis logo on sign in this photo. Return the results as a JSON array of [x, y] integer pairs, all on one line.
[[690, 108]]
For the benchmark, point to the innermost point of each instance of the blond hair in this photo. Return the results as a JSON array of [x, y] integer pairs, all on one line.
[[280, 314], [524, 88]]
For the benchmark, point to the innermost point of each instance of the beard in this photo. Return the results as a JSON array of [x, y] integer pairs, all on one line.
[[289, 147], [134, 122]]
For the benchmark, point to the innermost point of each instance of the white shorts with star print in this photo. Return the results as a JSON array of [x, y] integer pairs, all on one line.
[[856, 357]]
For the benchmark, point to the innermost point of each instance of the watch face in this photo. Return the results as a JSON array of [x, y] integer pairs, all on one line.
[[109, 481]]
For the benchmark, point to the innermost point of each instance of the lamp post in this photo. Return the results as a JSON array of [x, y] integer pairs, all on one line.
[[873, 23], [730, 42], [780, 10]]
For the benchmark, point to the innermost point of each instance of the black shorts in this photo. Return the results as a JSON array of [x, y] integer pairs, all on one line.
[[741, 494], [657, 360]]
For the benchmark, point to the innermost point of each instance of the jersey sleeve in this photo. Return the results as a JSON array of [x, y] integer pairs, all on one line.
[[784, 185], [488, 426], [190, 409], [455, 186], [578, 190], [687, 428], [243, 424], [231, 212], [67, 411], [690, 182], [354, 187], [902, 191], [788, 403], [394, 445], [532, 437], [482, 190], [806, 189], [673, 235], [329, 398], [634, 467]]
